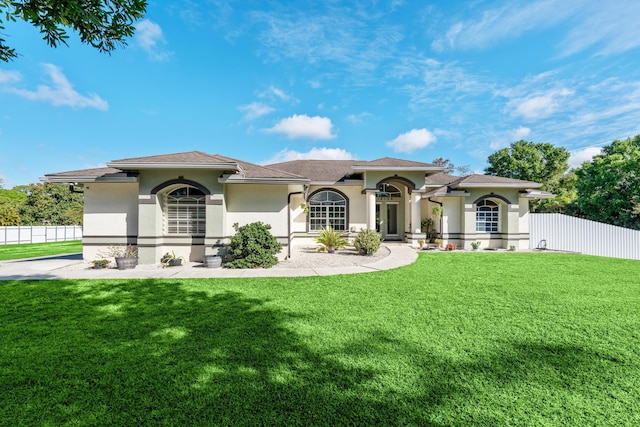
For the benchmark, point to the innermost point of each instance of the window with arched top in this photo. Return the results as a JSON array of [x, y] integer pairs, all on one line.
[[327, 209], [185, 211], [388, 190], [487, 216]]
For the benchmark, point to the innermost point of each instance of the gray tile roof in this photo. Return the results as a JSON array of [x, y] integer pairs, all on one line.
[[318, 170]]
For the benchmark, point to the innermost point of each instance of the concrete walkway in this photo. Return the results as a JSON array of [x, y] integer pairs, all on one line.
[[74, 267]]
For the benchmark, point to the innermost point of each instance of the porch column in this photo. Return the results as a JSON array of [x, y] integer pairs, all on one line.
[[371, 209], [416, 212]]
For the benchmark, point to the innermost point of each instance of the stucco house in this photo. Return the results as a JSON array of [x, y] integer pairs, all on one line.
[[188, 202]]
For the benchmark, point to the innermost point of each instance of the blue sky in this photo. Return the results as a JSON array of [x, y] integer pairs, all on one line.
[[275, 81]]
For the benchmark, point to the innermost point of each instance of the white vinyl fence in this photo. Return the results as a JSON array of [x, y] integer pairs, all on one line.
[[39, 234], [567, 233]]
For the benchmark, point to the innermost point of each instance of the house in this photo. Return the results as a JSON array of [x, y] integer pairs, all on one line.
[[188, 202]]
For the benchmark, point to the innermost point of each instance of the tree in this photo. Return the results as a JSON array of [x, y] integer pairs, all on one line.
[[10, 202], [450, 167], [608, 187], [102, 24], [537, 162], [51, 204]]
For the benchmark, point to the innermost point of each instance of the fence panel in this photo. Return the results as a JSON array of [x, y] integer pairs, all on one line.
[[39, 234], [566, 233]]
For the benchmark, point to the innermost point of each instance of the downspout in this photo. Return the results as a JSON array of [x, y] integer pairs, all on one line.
[[441, 213], [289, 220]]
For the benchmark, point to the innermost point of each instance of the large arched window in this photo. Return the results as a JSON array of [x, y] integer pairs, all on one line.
[[327, 209], [185, 211], [487, 216]]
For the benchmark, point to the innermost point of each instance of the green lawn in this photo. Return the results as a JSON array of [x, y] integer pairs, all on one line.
[[32, 250], [454, 339]]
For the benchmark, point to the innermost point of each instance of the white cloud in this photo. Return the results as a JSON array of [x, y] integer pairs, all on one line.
[[7, 76], [149, 36], [578, 157], [315, 154], [357, 118], [411, 141], [506, 22], [520, 133], [275, 93], [600, 26], [303, 126], [539, 106], [255, 110], [61, 92], [588, 23]]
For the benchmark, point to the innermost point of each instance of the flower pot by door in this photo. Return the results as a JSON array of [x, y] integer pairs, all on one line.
[[126, 263]]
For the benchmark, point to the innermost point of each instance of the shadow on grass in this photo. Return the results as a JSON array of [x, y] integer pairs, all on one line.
[[151, 353]]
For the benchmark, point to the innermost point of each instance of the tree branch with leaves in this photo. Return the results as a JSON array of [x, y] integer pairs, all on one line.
[[102, 24]]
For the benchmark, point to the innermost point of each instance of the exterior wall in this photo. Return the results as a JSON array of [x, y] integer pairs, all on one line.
[[152, 241], [110, 217], [514, 230]]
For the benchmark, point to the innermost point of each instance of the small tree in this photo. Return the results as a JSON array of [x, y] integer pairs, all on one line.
[[331, 240], [253, 246]]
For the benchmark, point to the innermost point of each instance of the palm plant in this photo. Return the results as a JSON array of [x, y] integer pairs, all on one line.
[[331, 240]]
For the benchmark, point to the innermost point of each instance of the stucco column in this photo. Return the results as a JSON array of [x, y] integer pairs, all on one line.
[[371, 209], [416, 211]]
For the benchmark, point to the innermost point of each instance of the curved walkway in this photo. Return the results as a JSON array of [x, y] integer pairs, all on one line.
[[73, 267]]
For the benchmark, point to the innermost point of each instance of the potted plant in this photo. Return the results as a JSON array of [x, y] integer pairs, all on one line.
[[421, 243], [126, 256], [330, 240], [438, 243], [475, 245], [512, 248], [451, 247], [171, 260], [100, 263]]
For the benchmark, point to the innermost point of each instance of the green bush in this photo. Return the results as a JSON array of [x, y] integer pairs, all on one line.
[[367, 242], [253, 246]]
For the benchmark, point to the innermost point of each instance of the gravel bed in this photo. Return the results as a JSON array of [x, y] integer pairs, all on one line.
[[309, 257]]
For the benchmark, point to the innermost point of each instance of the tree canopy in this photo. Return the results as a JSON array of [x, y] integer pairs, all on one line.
[[608, 187], [50, 204], [538, 162], [102, 24], [449, 167]]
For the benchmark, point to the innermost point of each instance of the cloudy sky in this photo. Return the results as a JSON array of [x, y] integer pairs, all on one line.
[[275, 81]]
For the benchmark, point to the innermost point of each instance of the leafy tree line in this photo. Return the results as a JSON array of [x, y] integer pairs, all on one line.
[[605, 189], [40, 204]]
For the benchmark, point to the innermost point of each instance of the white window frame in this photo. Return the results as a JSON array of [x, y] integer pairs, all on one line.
[[487, 216], [185, 214], [324, 212]]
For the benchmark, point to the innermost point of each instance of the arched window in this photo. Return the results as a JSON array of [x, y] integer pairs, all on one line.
[[487, 216], [327, 209], [185, 211], [388, 190]]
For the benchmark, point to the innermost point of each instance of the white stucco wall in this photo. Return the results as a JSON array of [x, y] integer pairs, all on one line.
[[110, 216], [248, 203]]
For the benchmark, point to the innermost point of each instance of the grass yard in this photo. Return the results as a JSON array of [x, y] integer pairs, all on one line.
[[33, 250], [454, 339]]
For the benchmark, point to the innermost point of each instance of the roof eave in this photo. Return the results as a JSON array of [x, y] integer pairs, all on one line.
[[238, 179], [536, 194], [495, 185], [174, 165], [364, 168]]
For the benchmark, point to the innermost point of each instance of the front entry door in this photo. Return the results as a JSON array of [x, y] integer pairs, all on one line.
[[387, 220]]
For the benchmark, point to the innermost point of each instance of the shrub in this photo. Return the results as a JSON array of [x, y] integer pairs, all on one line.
[[367, 242], [330, 240], [253, 246]]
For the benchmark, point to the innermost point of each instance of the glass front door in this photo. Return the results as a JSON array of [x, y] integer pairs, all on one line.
[[387, 220]]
